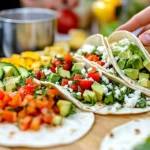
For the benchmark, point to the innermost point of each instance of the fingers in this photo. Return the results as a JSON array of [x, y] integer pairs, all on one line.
[[139, 20], [144, 29], [145, 38], [72, 3]]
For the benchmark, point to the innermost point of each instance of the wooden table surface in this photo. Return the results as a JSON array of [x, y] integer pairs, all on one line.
[[92, 140]]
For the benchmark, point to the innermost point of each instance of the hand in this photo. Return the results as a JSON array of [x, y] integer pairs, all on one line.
[[142, 19], [52, 4]]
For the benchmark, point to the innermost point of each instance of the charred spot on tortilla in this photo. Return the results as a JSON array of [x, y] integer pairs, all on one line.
[[137, 131], [72, 130], [11, 134], [111, 135]]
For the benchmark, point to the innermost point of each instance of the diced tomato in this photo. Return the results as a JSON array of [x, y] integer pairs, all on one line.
[[93, 70], [38, 74], [52, 92], [2, 94], [22, 113], [35, 123], [41, 103], [7, 98], [43, 76], [77, 77], [24, 123], [2, 104], [9, 116], [87, 55], [94, 58], [53, 69], [16, 100], [64, 82], [95, 76], [85, 84], [47, 118], [56, 110], [22, 92], [31, 108], [56, 62], [101, 63], [67, 66], [51, 103], [74, 87], [68, 58]]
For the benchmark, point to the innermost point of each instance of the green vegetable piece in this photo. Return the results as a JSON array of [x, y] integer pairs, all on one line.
[[54, 77], [64, 107], [146, 65], [143, 75], [8, 70], [2, 86], [135, 61], [115, 52], [122, 63], [98, 90], [77, 66], [141, 103], [57, 120], [144, 82], [2, 73], [63, 73], [109, 99], [132, 73]]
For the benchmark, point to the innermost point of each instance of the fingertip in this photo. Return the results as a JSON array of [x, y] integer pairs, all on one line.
[[145, 38]]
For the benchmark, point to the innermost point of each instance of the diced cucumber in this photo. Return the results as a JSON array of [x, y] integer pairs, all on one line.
[[23, 71], [64, 73], [57, 120], [10, 82], [64, 107], [1, 73], [2, 86], [15, 70]]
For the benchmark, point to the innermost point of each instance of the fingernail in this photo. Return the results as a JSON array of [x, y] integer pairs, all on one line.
[[145, 38]]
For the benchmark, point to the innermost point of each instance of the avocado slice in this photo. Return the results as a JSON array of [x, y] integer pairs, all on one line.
[[115, 52], [64, 107], [135, 61], [77, 66], [2, 73], [98, 90], [122, 63], [8, 71], [54, 77], [89, 97], [132, 73], [57, 120], [10, 82], [143, 75], [123, 54], [144, 82], [146, 65], [63, 73]]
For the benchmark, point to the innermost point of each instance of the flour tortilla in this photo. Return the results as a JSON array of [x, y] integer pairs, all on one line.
[[73, 128], [117, 36], [98, 108], [126, 136]]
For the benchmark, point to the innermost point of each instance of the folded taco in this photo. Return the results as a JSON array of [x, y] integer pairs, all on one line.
[[94, 50], [93, 89], [134, 135], [130, 59], [38, 116]]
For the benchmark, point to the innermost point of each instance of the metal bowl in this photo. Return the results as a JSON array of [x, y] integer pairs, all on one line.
[[26, 29]]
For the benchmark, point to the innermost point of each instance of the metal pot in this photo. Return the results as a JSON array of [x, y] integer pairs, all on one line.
[[26, 29]]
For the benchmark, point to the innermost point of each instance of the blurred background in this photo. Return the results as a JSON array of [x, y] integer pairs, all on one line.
[[83, 18]]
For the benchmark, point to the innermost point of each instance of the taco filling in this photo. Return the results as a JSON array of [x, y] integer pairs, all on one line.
[[33, 105], [132, 61], [98, 55], [90, 86]]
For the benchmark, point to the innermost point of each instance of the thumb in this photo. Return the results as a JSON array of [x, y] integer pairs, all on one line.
[[145, 38]]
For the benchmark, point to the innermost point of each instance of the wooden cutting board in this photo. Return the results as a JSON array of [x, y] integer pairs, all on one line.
[[92, 140]]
